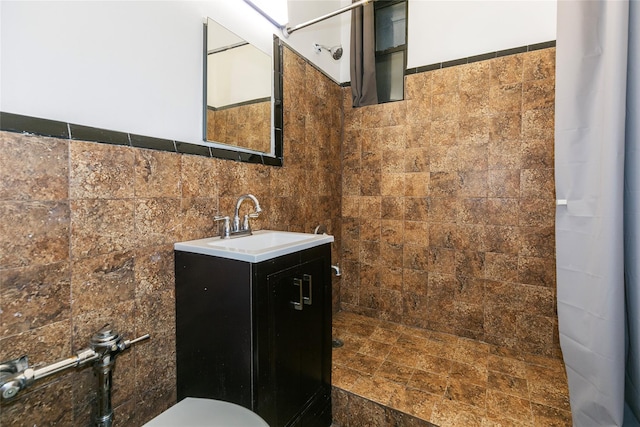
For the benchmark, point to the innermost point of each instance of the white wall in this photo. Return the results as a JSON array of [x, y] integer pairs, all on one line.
[[136, 66], [133, 66], [441, 31]]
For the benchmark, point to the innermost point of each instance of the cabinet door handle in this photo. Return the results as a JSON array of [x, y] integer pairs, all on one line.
[[298, 304], [307, 278]]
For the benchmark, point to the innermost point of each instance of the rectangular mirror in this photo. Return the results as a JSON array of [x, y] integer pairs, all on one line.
[[242, 92]]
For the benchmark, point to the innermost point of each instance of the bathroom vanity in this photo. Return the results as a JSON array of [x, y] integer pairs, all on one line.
[[254, 327]]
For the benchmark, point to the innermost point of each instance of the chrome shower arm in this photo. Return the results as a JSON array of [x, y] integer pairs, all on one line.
[[286, 31]]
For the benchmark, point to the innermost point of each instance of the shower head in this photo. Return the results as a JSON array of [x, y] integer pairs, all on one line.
[[335, 51]]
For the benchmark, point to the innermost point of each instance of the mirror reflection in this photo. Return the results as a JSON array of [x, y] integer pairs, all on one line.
[[238, 91]]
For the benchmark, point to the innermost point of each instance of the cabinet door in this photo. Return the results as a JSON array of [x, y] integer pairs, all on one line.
[[296, 338]]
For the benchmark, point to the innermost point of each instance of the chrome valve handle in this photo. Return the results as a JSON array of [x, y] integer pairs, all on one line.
[[105, 345]]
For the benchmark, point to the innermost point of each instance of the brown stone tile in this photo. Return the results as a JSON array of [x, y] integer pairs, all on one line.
[[430, 363], [414, 402], [391, 278], [443, 235], [536, 212], [33, 232], [156, 364], [535, 334], [441, 260], [537, 183], [504, 405], [51, 405], [474, 102], [505, 127], [473, 183], [199, 177], [474, 76], [418, 110], [156, 313], [537, 154], [550, 417], [504, 155], [472, 211], [392, 184], [503, 239], [443, 158], [503, 183], [477, 355], [375, 349], [452, 413], [507, 69], [538, 124], [352, 344], [444, 184], [196, 215], [102, 281], [416, 184], [392, 208], [157, 221], [100, 171], [501, 267], [508, 365], [157, 174], [538, 94], [154, 270], [384, 335], [470, 264], [376, 389], [444, 132], [505, 98], [34, 296], [43, 345], [33, 167], [471, 237], [101, 226], [508, 384], [416, 209], [418, 136], [539, 64], [394, 372], [416, 159], [472, 156], [418, 86], [442, 209], [473, 373], [362, 363], [537, 271], [464, 392], [537, 241], [429, 382], [502, 211]]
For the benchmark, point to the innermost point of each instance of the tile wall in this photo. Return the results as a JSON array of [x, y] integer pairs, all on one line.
[[448, 203], [86, 234], [247, 126]]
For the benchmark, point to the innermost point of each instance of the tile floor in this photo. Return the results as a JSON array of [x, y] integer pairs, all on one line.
[[447, 380]]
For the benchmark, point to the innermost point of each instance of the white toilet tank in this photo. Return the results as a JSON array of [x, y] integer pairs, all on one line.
[[197, 412]]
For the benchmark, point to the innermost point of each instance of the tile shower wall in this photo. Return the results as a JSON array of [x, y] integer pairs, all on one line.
[[448, 203], [86, 234]]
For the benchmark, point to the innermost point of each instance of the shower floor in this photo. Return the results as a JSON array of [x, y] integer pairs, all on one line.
[[440, 378]]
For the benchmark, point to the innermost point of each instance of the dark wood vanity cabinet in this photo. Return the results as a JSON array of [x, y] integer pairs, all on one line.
[[257, 334]]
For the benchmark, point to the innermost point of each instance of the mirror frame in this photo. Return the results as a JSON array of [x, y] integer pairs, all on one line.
[[226, 151]]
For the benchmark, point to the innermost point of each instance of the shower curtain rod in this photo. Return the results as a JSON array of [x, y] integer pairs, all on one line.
[[288, 30]]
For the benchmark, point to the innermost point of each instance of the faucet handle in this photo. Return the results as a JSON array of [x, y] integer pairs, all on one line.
[[226, 231]]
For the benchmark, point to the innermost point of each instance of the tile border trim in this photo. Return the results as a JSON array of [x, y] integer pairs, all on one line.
[[11, 122], [483, 57]]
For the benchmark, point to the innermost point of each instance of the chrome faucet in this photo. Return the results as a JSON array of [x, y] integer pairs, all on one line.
[[236, 229]]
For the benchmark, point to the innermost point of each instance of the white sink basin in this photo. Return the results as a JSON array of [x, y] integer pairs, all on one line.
[[261, 246]]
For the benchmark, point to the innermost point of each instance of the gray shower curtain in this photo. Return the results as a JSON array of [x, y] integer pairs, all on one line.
[[598, 228], [363, 57]]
